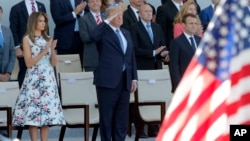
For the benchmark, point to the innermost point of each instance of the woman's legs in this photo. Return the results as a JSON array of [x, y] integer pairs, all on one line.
[[44, 133], [33, 133]]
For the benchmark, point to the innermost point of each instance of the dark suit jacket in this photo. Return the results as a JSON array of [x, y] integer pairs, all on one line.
[[19, 18], [87, 24], [9, 55], [144, 47], [198, 6], [129, 18], [111, 57], [181, 53], [165, 18], [206, 15], [61, 11]]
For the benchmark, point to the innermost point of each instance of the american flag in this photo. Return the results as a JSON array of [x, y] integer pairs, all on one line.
[[215, 89]]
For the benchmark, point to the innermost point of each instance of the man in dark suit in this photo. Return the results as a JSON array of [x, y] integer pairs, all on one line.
[[183, 48], [149, 45], [131, 16], [87, 23], [149, 51], [19, 14], [165, 18], [115, 76], [207, 13], [65, 14], [7, 51], [198, 6]]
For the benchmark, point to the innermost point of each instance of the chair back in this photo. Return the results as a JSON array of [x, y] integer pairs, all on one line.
[[68, 63], [78, 89], [15, 71], [154, 85], [9, 92]]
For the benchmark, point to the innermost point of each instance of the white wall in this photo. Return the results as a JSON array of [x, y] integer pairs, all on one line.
[[7, 4]]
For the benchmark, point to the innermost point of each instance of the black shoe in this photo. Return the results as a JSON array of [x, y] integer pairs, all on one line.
[[153, 130], [143, 135]]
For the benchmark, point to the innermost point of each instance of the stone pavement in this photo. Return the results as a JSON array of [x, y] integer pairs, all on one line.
[[74, 134]]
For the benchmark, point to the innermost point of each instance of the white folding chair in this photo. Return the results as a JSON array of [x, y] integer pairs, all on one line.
[[9, 92], [79, 100], [15, 71], [154, 93]]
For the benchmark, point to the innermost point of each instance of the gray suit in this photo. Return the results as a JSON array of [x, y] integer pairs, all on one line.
[[90, 54], [9, 53]]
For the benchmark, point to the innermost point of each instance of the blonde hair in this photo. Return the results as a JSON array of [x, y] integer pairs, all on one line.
[[32, 24], [111, 9], [183, 11]]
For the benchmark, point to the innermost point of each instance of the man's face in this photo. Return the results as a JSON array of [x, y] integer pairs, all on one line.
[[118, 20], [95, 5], [146, 13], [191, 25]]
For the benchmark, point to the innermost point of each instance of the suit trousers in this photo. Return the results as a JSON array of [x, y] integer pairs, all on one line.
[[113, 109], [22, 70]]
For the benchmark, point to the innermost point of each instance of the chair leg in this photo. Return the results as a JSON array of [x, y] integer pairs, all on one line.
[[129, 132], [62, 132], [86, 133], [19, 133], [138, 131], [95, 133]]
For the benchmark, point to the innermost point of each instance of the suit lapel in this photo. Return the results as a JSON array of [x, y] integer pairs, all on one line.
[[92, 19], [145, 32], [187, 43], [131, 13], [39, 6], [24, 10]]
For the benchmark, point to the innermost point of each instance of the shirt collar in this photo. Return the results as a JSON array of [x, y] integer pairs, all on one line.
[[135, 11], [29, 2], [145, 23], [187, 35], [94, 14], [177, 5]]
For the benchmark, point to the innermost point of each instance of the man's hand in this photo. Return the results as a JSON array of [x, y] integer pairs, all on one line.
[[19, 52], [164, 53], [4, 77], [134, 86], [158, 50], [80, 7], [53, 44]]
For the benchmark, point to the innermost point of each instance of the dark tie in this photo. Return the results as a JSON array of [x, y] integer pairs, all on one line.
[[150, 33], [192, 43], [33, 8], [117, 31], [1, 39], [98, 19]]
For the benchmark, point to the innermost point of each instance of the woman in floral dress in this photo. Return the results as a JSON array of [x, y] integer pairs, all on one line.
[[38, 104]]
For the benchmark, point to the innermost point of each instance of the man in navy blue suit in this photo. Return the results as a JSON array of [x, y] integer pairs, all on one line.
[[19, 14], [182, 49], [207, 13], [65, 14], [115, 76]]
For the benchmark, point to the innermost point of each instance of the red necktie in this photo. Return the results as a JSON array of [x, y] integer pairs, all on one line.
[[33, 8], [98, 19]]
